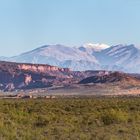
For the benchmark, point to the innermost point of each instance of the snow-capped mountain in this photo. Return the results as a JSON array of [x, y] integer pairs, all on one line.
[[125, 57], [59, 55], [86, 57]]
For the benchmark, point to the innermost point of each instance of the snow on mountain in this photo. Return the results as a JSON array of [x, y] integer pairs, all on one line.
[[96, 47], [87, 57], [90, 48]]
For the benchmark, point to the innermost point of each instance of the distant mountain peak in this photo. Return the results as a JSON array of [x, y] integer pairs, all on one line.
[[97, 46]]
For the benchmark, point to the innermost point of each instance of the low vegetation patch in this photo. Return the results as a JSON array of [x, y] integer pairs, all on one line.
[[70, 119]]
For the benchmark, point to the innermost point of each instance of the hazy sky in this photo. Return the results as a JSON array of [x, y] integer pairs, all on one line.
[[28, 24]]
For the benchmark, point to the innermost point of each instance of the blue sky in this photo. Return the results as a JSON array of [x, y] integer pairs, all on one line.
[[28, 24]]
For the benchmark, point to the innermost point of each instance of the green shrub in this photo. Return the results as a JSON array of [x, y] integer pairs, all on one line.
[[114, 116], [87, 119]]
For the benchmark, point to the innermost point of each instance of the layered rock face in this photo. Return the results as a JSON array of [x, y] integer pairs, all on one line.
[[23, 76], [17, 76]]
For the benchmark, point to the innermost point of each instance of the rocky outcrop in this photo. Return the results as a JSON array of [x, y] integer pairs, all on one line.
[[22, 76], [17, 76], [111, 78]]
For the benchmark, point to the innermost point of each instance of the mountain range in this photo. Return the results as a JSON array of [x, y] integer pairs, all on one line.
[[86, 57]]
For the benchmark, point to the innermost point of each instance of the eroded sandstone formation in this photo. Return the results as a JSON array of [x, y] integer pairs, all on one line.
[[23, 76], [19, 76]]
